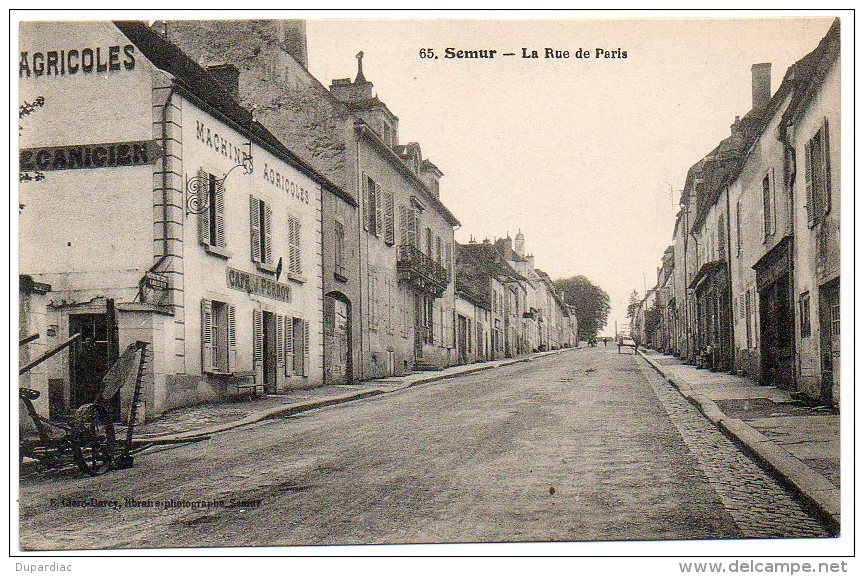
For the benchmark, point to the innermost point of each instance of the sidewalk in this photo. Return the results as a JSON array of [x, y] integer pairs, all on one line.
[[202, 420], [798, 443]]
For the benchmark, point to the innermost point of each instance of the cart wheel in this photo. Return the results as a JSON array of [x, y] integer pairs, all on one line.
[[93, 440]]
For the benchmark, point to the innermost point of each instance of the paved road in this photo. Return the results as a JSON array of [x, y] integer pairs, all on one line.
[[584, 445]]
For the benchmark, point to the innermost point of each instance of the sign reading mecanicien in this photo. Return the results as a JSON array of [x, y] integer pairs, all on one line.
[[253, 284], [110, 155]]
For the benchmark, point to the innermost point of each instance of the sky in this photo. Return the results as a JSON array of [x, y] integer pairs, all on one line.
[[586, 156]]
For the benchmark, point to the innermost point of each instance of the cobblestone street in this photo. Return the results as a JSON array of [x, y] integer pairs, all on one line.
[[584, 445]]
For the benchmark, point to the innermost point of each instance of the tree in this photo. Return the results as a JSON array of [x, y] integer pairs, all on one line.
[[25, 110], [633, 305], [591, 302]]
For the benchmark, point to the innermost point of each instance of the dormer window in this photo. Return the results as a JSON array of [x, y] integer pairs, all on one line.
[[387, 133]]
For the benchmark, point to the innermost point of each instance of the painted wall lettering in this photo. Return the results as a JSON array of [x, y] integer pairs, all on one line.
[[100, 59], [282, 182], [109, 155]]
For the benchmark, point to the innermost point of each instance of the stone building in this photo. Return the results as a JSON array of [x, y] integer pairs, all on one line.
[[265, 63], [759, 234], [227, 295], [394, 279], [810, 130]]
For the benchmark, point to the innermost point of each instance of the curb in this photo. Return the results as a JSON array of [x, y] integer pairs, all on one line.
[[291, 409], [817, 493]]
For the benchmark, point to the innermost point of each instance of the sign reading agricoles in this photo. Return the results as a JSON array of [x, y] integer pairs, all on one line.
[[260, 285], [109, 155]]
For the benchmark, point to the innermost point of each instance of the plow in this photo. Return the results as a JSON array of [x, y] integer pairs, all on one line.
[[88, 434]]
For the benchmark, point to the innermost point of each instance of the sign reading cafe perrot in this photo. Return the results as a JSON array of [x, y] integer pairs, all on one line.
[[260, 285]]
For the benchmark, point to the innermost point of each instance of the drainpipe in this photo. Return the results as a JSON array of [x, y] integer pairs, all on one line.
[[729, 278], [360, 216], [790, 168], [165, 172]]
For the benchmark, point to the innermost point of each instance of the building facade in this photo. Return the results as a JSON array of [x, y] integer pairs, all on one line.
[[200, 232], [757, 239]]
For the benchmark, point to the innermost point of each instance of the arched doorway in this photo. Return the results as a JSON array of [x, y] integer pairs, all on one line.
[[337, 339]]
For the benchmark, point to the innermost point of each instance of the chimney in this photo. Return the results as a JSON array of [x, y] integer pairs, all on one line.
[[520, 244], [346, 91], [294, 40], [228, 76], [761, 84]]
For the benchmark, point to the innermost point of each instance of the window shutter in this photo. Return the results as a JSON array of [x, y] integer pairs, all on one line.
[[403, 224], [773, 203], [294, 264], [448, 255], [207, 348], [808, 180], [826, 166], [365, 192], [305, 348], [258, 337], [378, 211], [220, 215], [204, 217], [389, 218], [267, 253], [413, 227], [232, 338], [254, 228], [280, 341], [289, 344]]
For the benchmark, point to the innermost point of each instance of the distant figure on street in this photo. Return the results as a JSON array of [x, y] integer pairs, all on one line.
[[605, 340]]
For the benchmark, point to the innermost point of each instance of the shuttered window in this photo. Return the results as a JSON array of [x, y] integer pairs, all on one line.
[[258, 337], [372, 207], [367, 205], [208, 360], [372, 291], [261, 230], [300, 346], [289, 344], [294, 261], [769, 210], [280, 341], [389, 218], [448, 256], [738, 240], [306, 350], [218, 337], [339, 247], [804, 304], [211, 222], [379, 211], [817, 165], [404, 220]]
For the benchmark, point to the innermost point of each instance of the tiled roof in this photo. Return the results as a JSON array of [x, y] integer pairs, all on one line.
[[197, 83]]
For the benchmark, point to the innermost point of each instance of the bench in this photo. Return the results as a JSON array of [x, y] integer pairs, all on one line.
[[627, 343], [243, 385]]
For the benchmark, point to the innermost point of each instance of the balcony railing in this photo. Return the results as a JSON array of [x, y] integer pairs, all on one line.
[[421, 271]]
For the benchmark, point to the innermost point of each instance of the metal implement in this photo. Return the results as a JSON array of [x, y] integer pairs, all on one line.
[[88, 434]]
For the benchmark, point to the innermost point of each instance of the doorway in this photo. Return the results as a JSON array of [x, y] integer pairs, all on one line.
[[89, 359], [270, 372], [463, 339], [419, 327], [776, 323], [337, 340], [829, 342]]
